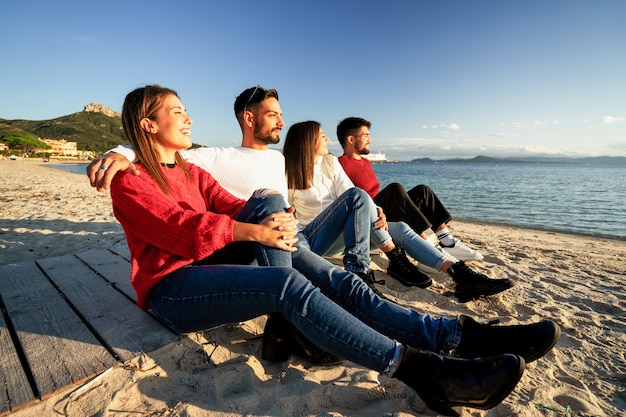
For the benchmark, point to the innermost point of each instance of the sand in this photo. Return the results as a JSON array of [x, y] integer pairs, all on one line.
[[577, 281]]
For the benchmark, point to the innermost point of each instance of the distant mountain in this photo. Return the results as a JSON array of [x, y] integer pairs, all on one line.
[[591, 160], [96, 128]]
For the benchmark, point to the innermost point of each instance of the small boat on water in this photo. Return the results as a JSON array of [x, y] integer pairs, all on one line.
[[376, 157]]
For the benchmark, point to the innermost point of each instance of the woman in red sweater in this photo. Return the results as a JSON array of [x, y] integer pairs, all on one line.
[[184, 233]]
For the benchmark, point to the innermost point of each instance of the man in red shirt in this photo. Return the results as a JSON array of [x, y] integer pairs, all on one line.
[[419, 207]]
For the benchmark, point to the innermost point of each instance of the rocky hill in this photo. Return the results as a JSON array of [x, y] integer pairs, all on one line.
[[99, 108], [97, 128]]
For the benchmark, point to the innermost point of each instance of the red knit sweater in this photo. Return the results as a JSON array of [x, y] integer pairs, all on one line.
[[361, 173], [167, 232]]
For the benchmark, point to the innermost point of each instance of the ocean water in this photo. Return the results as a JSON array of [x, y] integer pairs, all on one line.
[[581, 199], [75, 168]]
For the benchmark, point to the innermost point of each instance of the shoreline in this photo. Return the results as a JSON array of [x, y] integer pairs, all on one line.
[[577, 281], [454, 219], [548, 230]]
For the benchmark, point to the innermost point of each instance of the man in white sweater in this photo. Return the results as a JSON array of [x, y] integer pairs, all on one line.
[[240, 170]]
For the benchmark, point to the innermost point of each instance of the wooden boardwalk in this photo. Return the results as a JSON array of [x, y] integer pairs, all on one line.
[[67, 319]]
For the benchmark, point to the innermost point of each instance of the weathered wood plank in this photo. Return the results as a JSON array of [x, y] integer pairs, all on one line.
[[14, 386], [59, 348], [119, 322], [114, 268], [122, 250]]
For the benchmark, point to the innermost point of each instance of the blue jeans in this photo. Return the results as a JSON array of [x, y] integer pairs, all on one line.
[[333, 308], [349, 219], [419, 249], [355, 296], [399, 232]]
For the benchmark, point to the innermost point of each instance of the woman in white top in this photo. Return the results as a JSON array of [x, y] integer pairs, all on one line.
[[318, 188], [316, 181]]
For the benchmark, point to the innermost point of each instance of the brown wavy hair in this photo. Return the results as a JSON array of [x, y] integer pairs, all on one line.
[[142, 103], [299, 152]]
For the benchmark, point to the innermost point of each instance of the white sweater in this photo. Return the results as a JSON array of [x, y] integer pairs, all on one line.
[[329, 182], [239, 170]]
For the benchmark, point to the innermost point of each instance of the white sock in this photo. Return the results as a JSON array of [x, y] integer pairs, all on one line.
[[445, 237]]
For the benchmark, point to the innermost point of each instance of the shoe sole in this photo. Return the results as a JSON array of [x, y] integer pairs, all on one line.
[[424, 284], [465, 296]]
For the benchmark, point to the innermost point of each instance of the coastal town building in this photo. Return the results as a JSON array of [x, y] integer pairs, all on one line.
[[61, 147]]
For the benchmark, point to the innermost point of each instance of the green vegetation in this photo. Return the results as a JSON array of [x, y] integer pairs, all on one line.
[[92, 131], [23, 142]]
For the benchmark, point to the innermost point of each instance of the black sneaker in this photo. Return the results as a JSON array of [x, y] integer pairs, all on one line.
[[470, 285], [402, 269]]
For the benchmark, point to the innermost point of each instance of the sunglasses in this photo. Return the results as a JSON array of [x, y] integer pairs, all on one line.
[[256, 89]]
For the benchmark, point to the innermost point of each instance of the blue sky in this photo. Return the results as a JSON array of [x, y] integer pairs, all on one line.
[[436, 78]]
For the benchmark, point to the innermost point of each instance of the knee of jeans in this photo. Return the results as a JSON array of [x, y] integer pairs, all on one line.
[[270, 198], [395, 186], [356, 193], [263, 192]]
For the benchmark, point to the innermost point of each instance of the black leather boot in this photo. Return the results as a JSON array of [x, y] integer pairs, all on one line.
[[370, 279], [305, 349], [444, 382], [530, 341], [281, 339], [277, 338], [402, 269], [470, 285]]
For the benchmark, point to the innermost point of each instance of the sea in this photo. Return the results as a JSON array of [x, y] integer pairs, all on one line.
[[569, 198], [580, 199]]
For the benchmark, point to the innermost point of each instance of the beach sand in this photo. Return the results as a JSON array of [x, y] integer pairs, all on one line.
[[579, 282]]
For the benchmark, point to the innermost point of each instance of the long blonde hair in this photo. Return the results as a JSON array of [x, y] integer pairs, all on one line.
[[142, 103], [299, 152]]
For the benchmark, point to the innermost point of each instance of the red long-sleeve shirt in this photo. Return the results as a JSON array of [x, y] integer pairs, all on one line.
[[167, 232], [361, 173]]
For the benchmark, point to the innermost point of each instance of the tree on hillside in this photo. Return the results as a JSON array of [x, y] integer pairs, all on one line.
[[24, 142]]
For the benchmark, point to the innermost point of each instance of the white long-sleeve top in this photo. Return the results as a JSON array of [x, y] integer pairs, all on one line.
[[239, 170], [329, 182]]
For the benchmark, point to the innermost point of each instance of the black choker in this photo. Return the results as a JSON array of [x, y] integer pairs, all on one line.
[[168, 165]]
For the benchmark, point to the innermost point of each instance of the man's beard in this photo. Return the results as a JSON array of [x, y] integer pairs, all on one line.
[[364, 151], [266, 137]]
